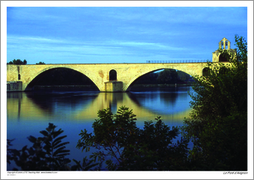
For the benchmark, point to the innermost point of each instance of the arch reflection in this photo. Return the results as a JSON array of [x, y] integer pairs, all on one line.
[[82, 106], [171, 101]]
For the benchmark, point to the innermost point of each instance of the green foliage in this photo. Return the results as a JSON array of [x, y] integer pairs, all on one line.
[[47, 152], [182, 76], [40, 63], [242, 52], [153, 149], [110, 133], [218, 123], [10, 155], [123, 146], [168, 76], [85, 166], [18, 62], [223, 91]]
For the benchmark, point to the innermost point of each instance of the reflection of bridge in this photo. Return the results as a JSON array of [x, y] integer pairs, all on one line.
[[25, 108], [107, 77]]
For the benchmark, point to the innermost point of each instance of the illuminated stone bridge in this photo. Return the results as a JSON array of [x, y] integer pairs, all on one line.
[[107, 77]]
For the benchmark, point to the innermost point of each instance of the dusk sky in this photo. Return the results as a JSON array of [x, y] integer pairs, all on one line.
[[120, 34]]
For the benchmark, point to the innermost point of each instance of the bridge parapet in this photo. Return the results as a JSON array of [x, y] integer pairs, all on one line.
[[176, 61]]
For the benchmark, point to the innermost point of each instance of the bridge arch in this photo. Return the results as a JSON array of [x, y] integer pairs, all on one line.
[[136, 77], [33, 79]]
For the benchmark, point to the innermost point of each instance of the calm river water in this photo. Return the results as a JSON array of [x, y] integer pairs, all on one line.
[[73, 111]]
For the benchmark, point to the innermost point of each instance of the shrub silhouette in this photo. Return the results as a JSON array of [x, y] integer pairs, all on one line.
[[47, 152], [121, 145]]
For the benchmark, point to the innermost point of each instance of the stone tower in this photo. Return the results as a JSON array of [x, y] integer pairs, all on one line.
[[224, 45]]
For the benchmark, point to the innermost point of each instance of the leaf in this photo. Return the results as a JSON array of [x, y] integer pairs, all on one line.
[[24, 148], [32, 139], [59, 138], [57, 133], [62, 144], [60, 150], [77, 166], [45, 133]]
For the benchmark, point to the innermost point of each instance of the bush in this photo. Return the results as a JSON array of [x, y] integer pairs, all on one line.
[[123, 146], [218, 123]]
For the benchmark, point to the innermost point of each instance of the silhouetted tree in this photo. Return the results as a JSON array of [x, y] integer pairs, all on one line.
[[40, 63], [218, 123], [18, 62], [167, 76], [47, 152], [182, 76], [123, 146]]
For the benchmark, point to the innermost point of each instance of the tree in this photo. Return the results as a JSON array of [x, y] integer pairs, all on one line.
[[18, 62], [47, 152], [123, 146], [167, 76], [182, 76], [10, 154], [40, 63], [218, 123], [153, 149]]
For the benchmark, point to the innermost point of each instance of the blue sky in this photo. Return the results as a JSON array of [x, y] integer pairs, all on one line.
[[120, 34]]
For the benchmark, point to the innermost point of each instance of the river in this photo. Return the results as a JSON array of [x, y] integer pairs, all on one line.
[[30, 112]]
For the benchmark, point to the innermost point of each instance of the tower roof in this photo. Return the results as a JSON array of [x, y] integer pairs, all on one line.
[[224, 42]]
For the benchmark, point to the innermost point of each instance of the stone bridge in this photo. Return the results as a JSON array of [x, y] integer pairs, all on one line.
[[107, 77]]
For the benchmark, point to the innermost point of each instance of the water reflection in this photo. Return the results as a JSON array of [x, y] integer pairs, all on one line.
[[29, 113], [85, 105], [166, 102], [62, 103]]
